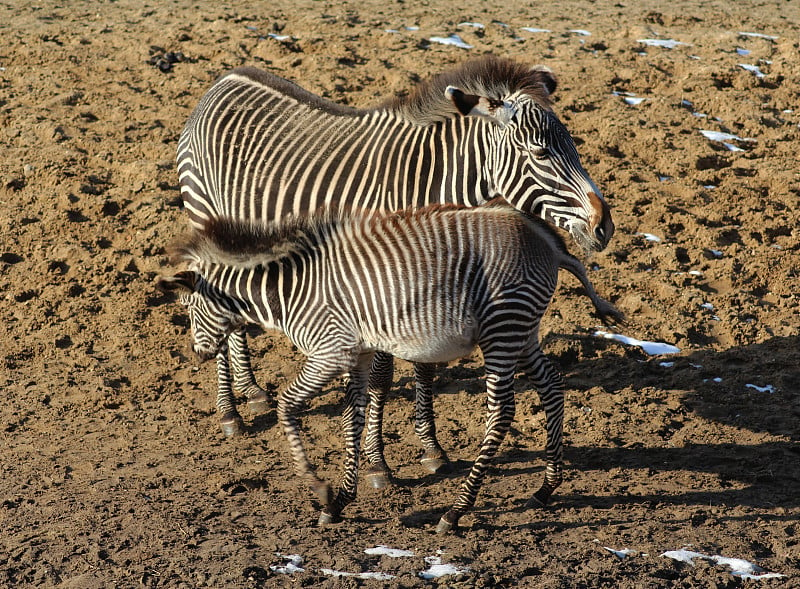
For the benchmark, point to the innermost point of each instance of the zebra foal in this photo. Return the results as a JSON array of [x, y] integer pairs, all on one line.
[[258, 148], [426, 285]]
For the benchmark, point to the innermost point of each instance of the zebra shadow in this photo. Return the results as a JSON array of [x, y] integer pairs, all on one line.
[[759, 477], [706, 385], [755, 387]]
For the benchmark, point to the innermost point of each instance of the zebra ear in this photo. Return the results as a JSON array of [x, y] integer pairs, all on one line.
[[182, 282], [545, 76], [472, 105]]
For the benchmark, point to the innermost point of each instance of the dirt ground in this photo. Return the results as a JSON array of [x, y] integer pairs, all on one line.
[[114, 470]]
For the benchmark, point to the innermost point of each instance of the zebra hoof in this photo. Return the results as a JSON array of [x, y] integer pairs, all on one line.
[[378, 479], [445, 525], [539, 499], [434, 462], [535, 503], [231, 425], [258, 404], [326, 519]]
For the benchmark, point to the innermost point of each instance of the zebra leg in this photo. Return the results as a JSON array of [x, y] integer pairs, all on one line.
[[312, 378], [501, 407], [434, 457], [550, 384], [230, 421], [243, 379], [353, 426], [380, 380]]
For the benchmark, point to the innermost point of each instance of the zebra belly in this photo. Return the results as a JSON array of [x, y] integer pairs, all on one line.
[[442, 344]]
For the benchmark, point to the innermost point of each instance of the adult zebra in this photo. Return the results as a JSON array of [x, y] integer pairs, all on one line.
[[427, 285], [260, 148]]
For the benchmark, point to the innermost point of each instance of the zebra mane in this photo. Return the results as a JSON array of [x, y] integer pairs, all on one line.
[[489, 76], [245, 244]]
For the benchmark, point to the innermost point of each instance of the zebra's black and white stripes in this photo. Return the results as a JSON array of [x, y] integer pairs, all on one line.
[[447, 279], [259, 148]]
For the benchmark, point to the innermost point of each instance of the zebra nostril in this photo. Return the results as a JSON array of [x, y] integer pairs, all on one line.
[[600, 234]]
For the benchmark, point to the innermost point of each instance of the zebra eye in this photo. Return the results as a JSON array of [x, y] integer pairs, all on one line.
[[540, 153]]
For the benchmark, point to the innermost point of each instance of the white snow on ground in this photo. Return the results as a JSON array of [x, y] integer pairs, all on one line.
[[381, 550], [665, 43], [437, 569], [739, 568], [650, 348], [451, 40]]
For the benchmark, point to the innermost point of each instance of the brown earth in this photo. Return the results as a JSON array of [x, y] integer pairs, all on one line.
[[114, 471]]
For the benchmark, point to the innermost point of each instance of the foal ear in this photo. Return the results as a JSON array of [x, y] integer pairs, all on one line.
[[183, 282], [472, 105]]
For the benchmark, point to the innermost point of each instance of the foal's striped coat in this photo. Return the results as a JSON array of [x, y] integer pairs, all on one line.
[[425, 285]]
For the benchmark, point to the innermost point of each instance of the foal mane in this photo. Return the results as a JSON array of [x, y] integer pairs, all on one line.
[[490, 76], [245, 244]]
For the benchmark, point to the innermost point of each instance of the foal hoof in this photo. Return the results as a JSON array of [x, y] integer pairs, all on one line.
[[231, 425], [541, 497], [445, 525], [326, 519], [434, 462], [258, 404], [535, 503], [377, 478]]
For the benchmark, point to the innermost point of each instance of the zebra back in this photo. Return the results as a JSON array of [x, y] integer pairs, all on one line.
[[260, 148]]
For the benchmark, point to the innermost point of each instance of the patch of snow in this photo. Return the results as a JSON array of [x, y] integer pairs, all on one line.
[[767, 389], [621, 554], [381, 550], [293, 565], [759, 36], [650, 236], [720, 136], [365, 576], [451, 40], [437, 569], [739, 567], [649, 348], [752, 68], [633, 100], [664, 43]]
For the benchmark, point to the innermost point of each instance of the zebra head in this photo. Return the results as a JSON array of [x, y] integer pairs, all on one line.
[[532, 161], [212, 314]]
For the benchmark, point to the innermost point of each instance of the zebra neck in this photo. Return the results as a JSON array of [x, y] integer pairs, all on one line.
[[252, 293], [442, 162]]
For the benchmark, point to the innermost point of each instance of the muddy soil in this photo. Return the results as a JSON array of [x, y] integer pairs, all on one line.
[[114, 469]]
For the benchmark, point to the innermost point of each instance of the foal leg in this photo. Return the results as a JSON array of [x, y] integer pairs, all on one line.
[[230, 421], [550, 384], [314, 375], [243, 379], [434, 457], [353, 426], [380, 380], [501, 407]]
